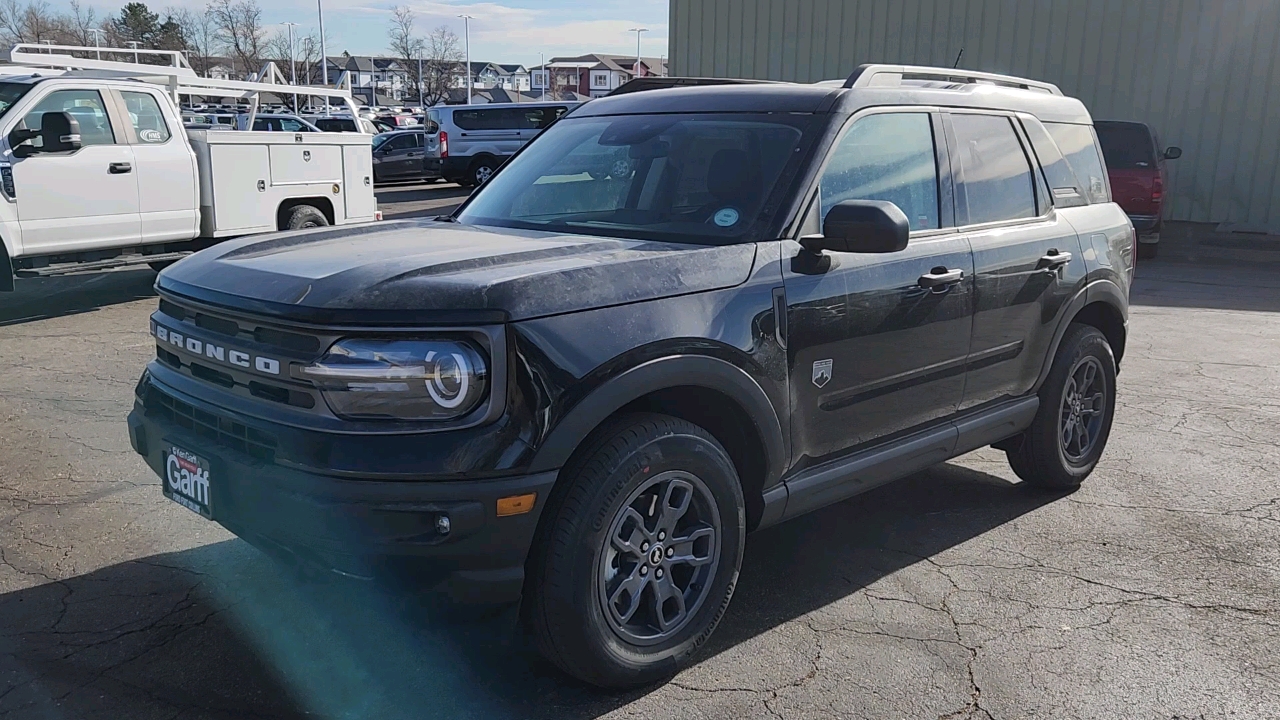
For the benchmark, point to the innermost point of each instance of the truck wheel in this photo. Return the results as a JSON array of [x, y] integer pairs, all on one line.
[[1077, 405], [638, 556], [306, 216]]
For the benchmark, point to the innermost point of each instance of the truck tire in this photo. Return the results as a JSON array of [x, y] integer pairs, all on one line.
[[1077, 406], [638, 553], [482, 168], [306, 216]]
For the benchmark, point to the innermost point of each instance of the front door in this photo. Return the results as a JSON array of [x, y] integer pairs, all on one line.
[[400, 157], [1027, 257], [168, 195], [872, 351], [82, 199]]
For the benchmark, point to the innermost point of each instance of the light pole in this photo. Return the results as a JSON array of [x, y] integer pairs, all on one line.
[[546, 77], [134, 44], [293, 65], [466, 31], [637, 31], [324, 59], [97, 41]]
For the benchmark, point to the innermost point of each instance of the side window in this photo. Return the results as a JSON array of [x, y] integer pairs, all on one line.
[[886, 157], [85, 106], [148, 120], [998, 184], [1080, 147], [480, 119], [1066, 190], [400, 142], [291, 125]]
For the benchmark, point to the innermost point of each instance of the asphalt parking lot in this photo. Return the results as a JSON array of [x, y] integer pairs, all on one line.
[[1153, 592]]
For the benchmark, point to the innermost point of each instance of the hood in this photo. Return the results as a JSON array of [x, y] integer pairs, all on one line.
[[428, 272]]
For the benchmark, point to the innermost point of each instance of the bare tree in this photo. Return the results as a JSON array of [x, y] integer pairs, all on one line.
[[200, 36], [32, 22], [80, 24], [306, 48], [443, 60], [240, 30], [406, 47]]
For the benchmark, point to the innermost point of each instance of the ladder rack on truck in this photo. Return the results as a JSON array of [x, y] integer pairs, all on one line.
[[172, 71]]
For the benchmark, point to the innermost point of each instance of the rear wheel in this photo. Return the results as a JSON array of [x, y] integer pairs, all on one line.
[[304, 217], [1077, 405], [481, 170], [639, 554]]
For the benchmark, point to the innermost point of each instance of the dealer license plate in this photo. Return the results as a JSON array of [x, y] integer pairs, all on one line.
[[186, 480]]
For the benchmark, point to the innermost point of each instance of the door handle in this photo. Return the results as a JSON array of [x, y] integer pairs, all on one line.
[[1054, 260], [940, 277], [120, 168]]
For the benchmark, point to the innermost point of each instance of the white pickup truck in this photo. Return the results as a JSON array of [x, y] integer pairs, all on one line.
[[98, 172]]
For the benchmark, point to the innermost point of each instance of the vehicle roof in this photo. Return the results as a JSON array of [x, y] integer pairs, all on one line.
[[831, 97], [483, 106]]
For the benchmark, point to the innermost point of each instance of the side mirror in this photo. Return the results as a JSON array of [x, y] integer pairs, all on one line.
[[861, 226], [1172, 153], [18, 139], [61, 133]]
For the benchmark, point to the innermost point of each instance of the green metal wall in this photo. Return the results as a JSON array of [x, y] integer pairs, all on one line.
[[1205, 74]]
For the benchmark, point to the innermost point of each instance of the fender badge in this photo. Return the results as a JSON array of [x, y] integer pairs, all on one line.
[[822, 372]]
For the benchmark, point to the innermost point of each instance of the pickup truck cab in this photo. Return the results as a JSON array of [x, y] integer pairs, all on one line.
[[98, 172]]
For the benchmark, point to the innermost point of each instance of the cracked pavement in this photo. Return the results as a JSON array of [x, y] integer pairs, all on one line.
[[953, 594]]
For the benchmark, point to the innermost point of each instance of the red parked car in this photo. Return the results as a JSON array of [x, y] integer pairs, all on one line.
[[1135, 166]]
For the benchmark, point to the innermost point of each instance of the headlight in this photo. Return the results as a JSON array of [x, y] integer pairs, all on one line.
[[401, 379]]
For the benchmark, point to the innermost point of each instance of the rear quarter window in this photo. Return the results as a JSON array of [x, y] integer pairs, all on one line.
[[1079, 146]]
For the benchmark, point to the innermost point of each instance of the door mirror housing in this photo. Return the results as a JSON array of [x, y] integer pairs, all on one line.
[[861, 226], [18, 139], [1172, 153], [60, 133]]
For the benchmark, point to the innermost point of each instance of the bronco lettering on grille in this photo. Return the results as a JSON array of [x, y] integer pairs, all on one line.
[[218, 353]]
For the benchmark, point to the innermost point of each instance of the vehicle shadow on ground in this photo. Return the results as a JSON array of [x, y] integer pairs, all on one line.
[[46, 298], [220, 632]]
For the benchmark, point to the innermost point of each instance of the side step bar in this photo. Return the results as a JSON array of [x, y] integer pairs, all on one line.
[[99, 265]]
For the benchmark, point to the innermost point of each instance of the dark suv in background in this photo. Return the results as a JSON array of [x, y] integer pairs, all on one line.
[[584, 388], [1135, 166]]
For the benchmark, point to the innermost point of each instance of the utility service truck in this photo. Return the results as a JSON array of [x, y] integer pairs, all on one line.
[[97, 171]]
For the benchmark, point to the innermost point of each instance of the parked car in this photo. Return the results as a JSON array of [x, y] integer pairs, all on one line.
[[582, 392], [342, 123], [1136, 169], [275, 122], [400, 156], [467, 143]]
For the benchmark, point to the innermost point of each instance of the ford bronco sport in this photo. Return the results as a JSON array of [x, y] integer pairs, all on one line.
[[583, 389]]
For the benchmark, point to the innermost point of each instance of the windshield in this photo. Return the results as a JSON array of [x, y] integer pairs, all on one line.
[[705, 179], [1126, 146], [10, 93]]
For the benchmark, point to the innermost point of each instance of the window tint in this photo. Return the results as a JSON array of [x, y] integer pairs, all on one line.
[[1062, 181], [1126, 146], [495, 119], [997, 178], [85, 106], [1080, 147], [148, 120], [886, 157], [407, 141], [336, 124], [291, 125]]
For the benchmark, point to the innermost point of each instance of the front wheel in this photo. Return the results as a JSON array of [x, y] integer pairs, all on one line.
[[1077, 405], [639, 554]]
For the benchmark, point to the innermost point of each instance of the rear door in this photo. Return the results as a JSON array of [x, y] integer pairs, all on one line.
[[396, 158], [165, 168], [872, 352], [1027, 258], [83, 199]]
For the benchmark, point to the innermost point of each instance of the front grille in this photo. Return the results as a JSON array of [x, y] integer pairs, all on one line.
[[223, 431]]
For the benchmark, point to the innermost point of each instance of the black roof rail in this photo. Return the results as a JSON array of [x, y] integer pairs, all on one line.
[[893, 75], [661, 83]]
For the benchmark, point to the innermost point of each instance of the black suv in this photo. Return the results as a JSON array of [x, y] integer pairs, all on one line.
[[584, 389]]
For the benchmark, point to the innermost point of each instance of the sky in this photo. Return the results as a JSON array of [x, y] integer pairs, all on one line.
[[509, 31]]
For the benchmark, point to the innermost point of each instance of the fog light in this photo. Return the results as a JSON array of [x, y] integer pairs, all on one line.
[[516, 504], [442, 524]]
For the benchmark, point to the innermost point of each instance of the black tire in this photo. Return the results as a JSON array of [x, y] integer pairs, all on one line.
[[303, 217], [1148, 251], [566, 608], [1048, 455], [482, 168]]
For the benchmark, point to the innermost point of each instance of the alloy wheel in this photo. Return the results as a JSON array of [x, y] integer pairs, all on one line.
[[1084, 406], [659, 558]]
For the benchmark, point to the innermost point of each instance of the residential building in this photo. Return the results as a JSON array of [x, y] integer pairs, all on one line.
[[1202, 74], [372, 76], [486, 75], [594, 75]]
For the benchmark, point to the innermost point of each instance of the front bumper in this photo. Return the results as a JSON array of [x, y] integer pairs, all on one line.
[[349, 525]]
